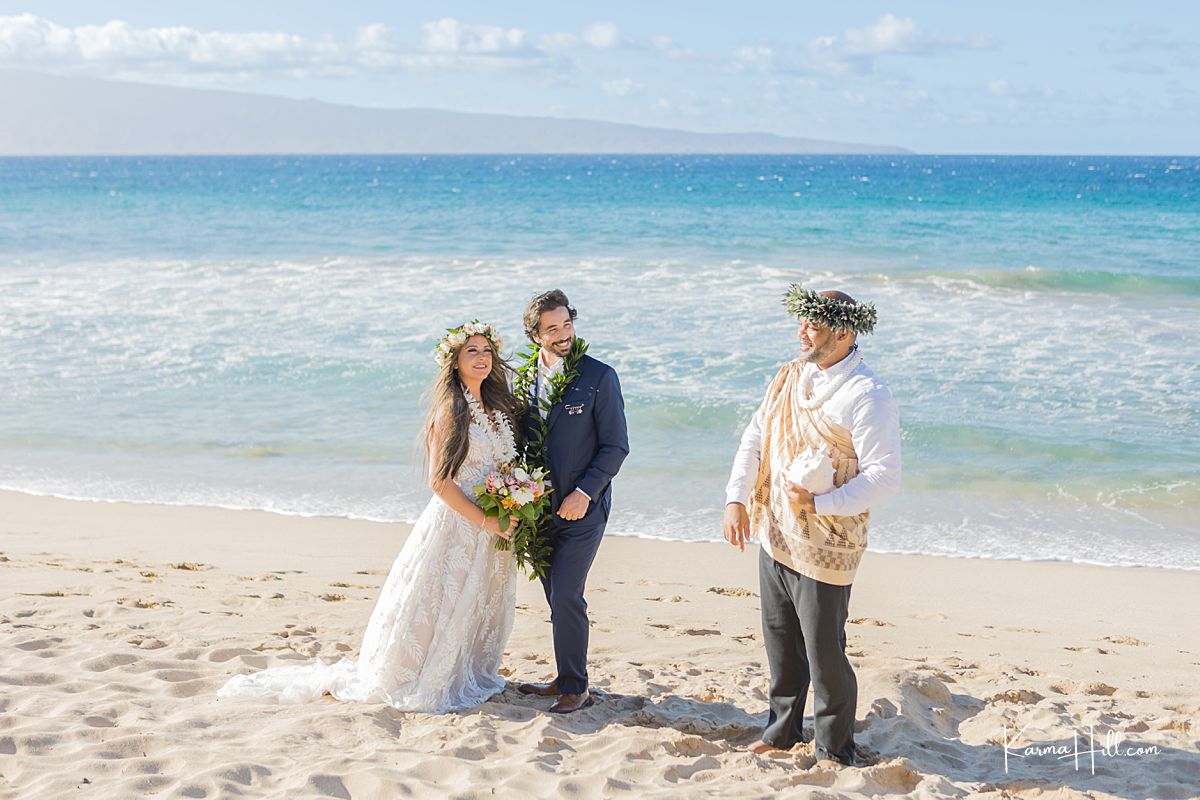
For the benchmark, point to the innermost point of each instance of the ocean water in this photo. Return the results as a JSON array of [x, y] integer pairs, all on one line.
[[256, 332]]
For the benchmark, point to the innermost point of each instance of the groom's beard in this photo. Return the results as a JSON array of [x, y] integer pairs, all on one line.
[[562, 347]]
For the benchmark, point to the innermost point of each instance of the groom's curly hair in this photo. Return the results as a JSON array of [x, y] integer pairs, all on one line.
[[546, 301]]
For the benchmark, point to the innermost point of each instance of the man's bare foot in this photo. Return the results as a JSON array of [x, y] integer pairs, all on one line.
[[761, 748]]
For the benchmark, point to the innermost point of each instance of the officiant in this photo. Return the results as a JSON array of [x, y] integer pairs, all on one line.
[[822, 449]]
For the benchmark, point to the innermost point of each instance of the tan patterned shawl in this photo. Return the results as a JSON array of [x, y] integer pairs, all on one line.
[[825, 548]]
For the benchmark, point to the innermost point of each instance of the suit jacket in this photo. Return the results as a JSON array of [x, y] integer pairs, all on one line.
[[586, 441]]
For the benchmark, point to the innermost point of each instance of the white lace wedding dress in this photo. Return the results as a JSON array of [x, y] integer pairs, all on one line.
[[438, 632]]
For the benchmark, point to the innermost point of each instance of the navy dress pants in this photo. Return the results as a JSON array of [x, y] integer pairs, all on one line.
[[574, 550]]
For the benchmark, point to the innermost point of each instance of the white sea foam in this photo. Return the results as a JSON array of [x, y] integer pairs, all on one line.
[[161, 376]]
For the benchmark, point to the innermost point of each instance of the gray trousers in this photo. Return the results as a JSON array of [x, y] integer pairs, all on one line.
[[804, 628]]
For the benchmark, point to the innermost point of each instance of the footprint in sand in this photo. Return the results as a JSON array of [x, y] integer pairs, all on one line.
[[868, 621], [110, 661], [99, 722], [226, 653], [693, 746], [30, 679], [1018, 696], [191, 566], [138, 602], [731, 591], [38, 644], [176, 675], [1093, 650], [146, 642], [1128, 640], [1095, 688], [674, 599], [1099, 689], [333, 598], [56, 593], [292, 632]]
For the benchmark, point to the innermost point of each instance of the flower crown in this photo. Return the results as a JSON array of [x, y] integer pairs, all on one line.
[[457, 337], [830, 312]]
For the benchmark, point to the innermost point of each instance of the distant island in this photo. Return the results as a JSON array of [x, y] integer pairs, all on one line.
[[50, 115]]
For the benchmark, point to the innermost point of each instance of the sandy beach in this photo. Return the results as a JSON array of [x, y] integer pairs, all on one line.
[[119, 622]]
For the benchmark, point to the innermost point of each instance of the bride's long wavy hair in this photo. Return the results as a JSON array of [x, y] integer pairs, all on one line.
[[450, 417]]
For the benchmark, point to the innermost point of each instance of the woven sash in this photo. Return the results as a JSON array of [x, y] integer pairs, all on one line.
[[825, 548]]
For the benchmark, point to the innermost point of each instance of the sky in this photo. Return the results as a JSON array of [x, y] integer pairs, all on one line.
[[935, 77]]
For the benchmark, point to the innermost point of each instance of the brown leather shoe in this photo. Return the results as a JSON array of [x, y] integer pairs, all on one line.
[[540, 689], [572, 702]]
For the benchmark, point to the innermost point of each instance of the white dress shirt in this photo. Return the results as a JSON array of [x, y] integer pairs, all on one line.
[[863, 405], [543, 379], [543, 390]]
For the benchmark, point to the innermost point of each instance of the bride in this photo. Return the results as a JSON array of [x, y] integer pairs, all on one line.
[[438, 632]]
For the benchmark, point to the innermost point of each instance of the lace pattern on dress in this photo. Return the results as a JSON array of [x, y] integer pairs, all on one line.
[[438, 631]]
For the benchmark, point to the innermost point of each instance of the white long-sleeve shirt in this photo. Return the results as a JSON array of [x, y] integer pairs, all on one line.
[[863, 406], [545, 372], [543, 390]]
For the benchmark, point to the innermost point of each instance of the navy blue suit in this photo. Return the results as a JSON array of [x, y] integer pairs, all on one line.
[[586, 441]]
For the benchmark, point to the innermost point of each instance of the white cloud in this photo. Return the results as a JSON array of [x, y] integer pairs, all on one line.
[[597, 36], [602, 35], [558, 41], [1001, 88], [1011, 91], [374, 37], [448, 35], [28, 39], [118, 49], [752, 57], [888, 34], [669, 48], [621, 88], [856, 51]]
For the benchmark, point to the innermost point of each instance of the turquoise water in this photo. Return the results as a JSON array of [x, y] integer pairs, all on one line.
[[255, 332]]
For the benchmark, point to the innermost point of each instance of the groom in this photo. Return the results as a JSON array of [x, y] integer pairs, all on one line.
[[583, 442]]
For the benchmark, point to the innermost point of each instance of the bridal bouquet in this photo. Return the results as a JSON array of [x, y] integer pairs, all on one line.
[[514, 490]]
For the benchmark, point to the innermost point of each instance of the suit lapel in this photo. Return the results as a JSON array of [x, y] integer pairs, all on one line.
[[555, 410]]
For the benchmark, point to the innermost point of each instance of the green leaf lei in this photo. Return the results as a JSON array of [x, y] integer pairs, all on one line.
[[538, 548], [809, 304]]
